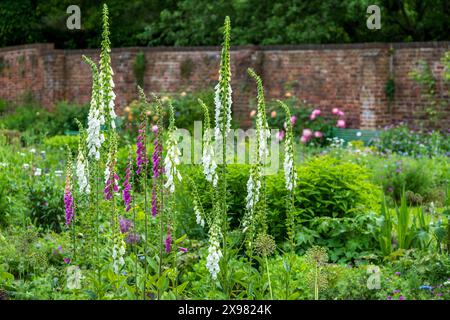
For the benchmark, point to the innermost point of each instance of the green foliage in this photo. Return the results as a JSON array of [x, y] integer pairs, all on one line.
[[421, 178], [46, 203], [330, 188], [36, 122], [194, 22], [187, 109], [404, 141], [61, 143]]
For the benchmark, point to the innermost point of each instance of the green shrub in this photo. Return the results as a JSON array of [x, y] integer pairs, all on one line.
[[37, 122], [60, 142], [46, 203], [420, 177], [402, 140], [328, 187]]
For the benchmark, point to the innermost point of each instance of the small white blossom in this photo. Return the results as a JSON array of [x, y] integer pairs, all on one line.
[[38, 172], [74, 277], [198, 215], [171, 161], [208, 160], [118, 253], [82, 172], [214, 252]]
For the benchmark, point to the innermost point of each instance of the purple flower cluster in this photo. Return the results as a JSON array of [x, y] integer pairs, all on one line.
[[157, 168], [111, 184], [132, 238], [125, 225], [141, 149], [127, 188], [68, 202], [168, 241]]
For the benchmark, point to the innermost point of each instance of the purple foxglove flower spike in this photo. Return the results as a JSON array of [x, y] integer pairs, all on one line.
[[127, 187], [68, 201], [168, 241], [141, 149]]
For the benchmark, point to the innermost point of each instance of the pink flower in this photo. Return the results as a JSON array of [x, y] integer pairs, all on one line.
[[253, 113], [316, 112], [318, 134], [182, 249], [340, 123], [293, 120], [280, 135], [307, 133], [155, 128], [312, 116], [340, 113], [335, 110], [168, 242], [273, 114], [303, 139]]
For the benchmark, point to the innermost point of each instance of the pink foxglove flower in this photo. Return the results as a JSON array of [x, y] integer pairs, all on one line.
[[68, 197], [111, 181], [157, 168], [126, 193], [168, 241], [68, 202], [141, 148]]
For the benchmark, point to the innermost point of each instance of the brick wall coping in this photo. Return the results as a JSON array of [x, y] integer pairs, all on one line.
[[340, 46]]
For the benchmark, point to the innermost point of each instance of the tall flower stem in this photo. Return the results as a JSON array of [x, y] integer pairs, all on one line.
[[146, 213], [268, 277], [97, 225]]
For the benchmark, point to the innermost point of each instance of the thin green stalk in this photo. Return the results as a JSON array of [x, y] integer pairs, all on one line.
[[316, 283], [268, 277], [97, 227]]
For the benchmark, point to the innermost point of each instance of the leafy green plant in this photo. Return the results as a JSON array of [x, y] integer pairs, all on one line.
[[385, 221]]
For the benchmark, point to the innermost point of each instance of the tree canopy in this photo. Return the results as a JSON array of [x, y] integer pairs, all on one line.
[[198, 22]]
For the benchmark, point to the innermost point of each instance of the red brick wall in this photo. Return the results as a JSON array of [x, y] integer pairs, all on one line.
[[350, 76]]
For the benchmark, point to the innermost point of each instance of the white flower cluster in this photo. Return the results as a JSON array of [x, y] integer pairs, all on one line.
[[108, 95], [290, 175], [263, 135], [74, 277], [214, 252], [208, 161], [198, 215], [171, 161], [119, 249], [253, 193], [82, 172], [95, 120], [220, 110]]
